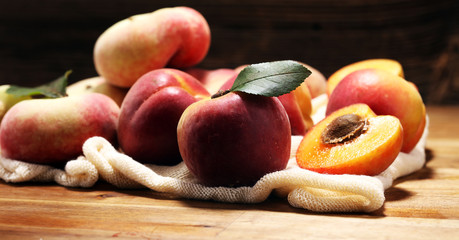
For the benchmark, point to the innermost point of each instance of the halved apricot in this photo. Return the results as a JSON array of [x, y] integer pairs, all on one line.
[[351, 140], [390, 65]]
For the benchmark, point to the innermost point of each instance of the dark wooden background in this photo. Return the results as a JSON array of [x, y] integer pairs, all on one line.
[[41, 39]]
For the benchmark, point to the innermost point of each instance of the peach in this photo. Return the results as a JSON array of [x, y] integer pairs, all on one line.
[[316, 82], [390, 65], [241, 67], [150, 112], [352, 140], [298, 125], [297, 104], [8, 100], [234, 139], [212, 79], [52, 131], [177, 37], [97, 85], [303, 98], [386, 94]]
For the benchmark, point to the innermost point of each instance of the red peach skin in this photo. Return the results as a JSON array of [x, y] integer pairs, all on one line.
[[147, 128], [386, 94], [234, 139]]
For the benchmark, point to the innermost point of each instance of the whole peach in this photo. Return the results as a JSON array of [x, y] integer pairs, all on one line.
[[316, 82], [212, 79], [147, 129], [234, 139], [386, 94], [97, 85], [8, 100], [390, 65], [177, 37], [50, 131], [297, 104]]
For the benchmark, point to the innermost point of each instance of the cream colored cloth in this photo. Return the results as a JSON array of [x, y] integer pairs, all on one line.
[[303, 188]]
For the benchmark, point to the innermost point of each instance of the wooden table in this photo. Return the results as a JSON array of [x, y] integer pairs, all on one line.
[[423, 205]]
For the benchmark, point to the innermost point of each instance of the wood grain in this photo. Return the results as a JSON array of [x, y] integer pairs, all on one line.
[[423, 205]]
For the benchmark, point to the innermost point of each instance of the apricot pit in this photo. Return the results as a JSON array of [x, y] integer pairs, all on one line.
[[344, 128]]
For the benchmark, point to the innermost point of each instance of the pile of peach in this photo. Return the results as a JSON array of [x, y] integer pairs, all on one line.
[[152, 103]]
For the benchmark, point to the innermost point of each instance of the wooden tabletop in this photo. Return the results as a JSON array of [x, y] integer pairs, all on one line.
[[423, 205]]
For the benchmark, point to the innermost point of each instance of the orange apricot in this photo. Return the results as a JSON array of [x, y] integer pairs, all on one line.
[[390, 65], [351, 140]]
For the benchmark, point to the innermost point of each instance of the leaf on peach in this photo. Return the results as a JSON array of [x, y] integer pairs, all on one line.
[[53, 89], [271, 79]]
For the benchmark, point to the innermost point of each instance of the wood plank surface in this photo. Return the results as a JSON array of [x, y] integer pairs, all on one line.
[[423, 205]]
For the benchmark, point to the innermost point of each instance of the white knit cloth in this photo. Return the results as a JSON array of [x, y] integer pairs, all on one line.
[[303, 188]]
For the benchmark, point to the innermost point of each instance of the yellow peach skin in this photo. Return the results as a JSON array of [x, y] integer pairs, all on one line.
[[97, 85], [176, 37], [390, 65], [316, 82], [7, 100], [51, 131], [386, 94]]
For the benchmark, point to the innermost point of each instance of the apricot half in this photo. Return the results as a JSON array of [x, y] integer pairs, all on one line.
[[352, 140], [390, 65]]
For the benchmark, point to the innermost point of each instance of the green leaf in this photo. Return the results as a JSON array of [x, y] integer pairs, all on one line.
[[271, 79], [54, 89]]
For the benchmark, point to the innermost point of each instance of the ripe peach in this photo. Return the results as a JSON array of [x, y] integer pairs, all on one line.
[[147, 129], [351, 140], [298, 125], [297, 104], [390, 65], [50, 131], [386, 94], [97, 85], [316, 82], [303, 98], [234, 139], [177, 37], [212, 79], [8, 100]]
